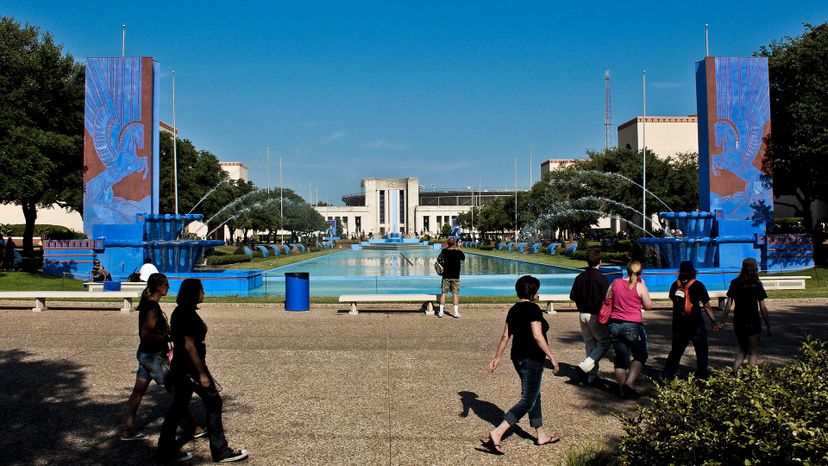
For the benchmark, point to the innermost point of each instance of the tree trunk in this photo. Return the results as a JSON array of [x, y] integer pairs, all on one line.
[[30, 213]]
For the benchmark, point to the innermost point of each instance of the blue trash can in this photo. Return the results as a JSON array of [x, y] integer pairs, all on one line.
[[111, 286], [297, 291]]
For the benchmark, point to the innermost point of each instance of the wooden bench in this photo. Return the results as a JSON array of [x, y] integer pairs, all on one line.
[[426, 299], [125, 286], [40, 297]]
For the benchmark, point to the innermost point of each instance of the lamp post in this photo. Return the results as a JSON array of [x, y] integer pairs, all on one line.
[[471, 191]]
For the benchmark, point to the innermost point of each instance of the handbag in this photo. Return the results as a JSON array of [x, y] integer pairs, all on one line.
[[606, 308], [439, 266]]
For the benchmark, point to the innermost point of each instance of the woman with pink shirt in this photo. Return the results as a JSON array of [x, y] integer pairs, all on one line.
[[626, 328]]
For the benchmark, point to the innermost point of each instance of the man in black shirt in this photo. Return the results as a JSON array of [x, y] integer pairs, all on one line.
[[452, 257], [588, 291]]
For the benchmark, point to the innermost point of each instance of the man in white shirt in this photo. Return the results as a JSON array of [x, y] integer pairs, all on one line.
[[147, 269]]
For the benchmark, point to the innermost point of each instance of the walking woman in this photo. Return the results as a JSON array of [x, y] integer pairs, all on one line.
[[749, 295], [626, 328], [689, 296], [189, 373], [530, 349], [153, 362]]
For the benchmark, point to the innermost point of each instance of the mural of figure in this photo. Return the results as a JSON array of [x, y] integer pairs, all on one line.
[[742, 121], [113, 119]]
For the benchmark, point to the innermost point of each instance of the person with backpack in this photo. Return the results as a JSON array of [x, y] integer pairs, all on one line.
[[689, 296], [588, 291]]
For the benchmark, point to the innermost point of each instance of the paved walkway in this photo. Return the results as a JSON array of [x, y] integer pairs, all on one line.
[[322, 387]]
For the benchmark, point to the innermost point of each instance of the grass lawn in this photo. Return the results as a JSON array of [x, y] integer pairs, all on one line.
[[21, 281], [267, 263], [561, 261]]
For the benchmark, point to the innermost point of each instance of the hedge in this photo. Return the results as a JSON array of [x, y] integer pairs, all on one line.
[[486, 247], [755, 416], [618, 257], [228, 259]]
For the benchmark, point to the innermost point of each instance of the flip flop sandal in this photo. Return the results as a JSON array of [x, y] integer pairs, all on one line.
[[135, 436], [491, 447], [550, 441]]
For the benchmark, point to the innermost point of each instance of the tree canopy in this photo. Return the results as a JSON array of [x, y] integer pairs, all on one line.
[[41, 123], [797, 155]]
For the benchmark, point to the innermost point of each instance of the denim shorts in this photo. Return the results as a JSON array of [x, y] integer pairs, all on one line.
[[628, 337], [153, 366]]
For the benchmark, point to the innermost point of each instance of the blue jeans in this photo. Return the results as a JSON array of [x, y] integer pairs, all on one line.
[[153, 366], [628, 337], [530, 372], [681, 338]]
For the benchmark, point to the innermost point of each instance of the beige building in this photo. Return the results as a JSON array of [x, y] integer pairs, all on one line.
[[236, 170], [551, 165], [402, 202], [664, 136]]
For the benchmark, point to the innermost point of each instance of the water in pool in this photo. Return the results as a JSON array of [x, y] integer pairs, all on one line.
[[378, 271]]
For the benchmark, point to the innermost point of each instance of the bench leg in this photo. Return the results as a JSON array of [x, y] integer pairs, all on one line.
[[127, 305], [353, 309], [429, 309], [550, 308], [40, 305]]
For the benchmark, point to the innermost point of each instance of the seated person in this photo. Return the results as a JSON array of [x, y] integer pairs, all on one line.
[[99, 273], [147, 269]]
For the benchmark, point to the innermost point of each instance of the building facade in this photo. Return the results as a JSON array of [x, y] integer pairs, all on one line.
[[401, 205], [664, 136]]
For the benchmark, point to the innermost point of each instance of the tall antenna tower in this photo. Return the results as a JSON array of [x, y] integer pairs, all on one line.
[[607, 111]]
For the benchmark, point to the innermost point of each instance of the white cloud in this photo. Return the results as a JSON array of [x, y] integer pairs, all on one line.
[[380, 144], [333, 137], [667, 85]]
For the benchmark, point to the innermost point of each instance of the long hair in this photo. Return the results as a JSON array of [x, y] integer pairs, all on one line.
[[188, 294], [634, 269], [154, 282], [750, 272]]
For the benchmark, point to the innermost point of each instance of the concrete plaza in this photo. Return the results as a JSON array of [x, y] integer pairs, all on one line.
[[325, 387]]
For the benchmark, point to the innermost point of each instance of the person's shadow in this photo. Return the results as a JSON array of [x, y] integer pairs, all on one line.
[[488, 412]]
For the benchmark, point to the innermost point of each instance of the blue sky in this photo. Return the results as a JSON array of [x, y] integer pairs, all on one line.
[[450, 92]]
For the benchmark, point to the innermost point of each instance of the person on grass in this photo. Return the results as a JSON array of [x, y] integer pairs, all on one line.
[[530, 349]]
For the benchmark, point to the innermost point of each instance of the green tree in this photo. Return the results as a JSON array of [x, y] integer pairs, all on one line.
[[41, 123], [797, 156], [198, 173]]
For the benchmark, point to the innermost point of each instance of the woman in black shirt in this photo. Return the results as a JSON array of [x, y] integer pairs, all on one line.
[[530, 349], [189, 373], [747, 292]]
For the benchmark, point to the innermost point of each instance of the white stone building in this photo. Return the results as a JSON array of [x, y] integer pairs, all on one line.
[[402, 202], [665, 136]]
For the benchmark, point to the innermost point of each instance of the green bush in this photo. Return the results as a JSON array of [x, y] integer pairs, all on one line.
[[314, 249], [228, 259], [590, 455], [756, 416], [486, 247]]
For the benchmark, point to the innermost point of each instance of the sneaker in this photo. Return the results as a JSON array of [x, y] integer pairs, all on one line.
[[135, 436], [456, 314], [201, 434], [586, 365], [230, 456], [440, 314], [177, 457]]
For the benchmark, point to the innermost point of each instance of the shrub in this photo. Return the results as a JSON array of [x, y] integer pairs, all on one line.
[[486, 247], [228, 259], [756, 416], [590, 455], [314, 249]]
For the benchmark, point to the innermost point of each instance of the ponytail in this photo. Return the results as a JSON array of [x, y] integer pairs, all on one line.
[[634, 270]]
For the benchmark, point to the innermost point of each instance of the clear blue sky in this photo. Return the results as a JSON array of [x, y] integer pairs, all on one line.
[[450, 92]]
